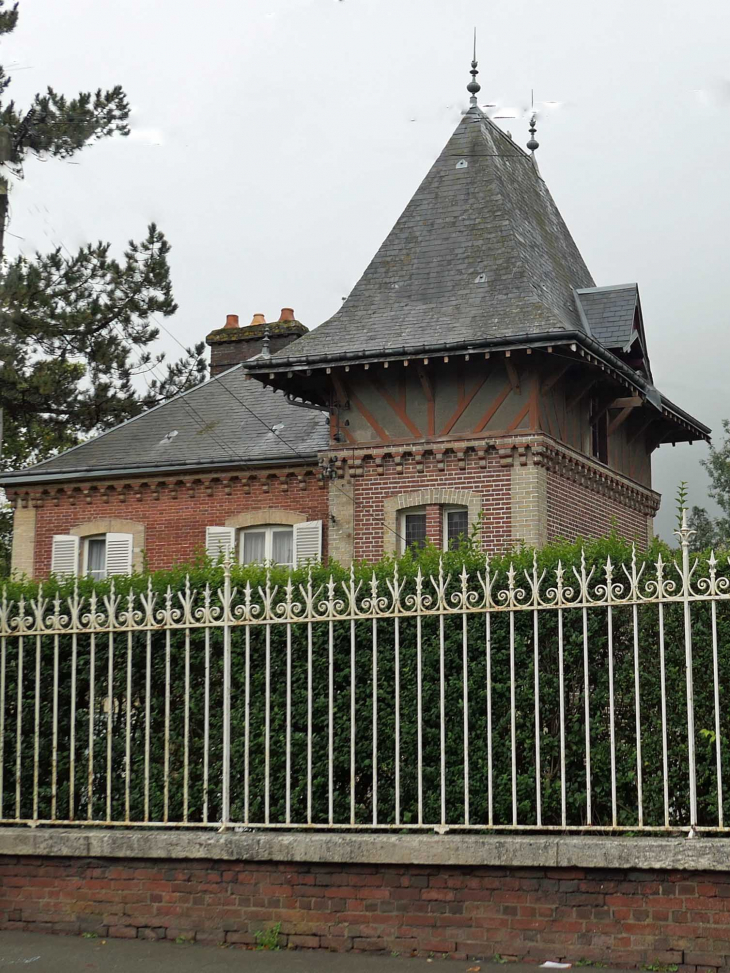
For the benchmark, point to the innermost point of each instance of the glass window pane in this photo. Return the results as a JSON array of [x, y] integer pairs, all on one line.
[[96, 557], [457, 527], [415, 532], [282, 548], [254, 546]]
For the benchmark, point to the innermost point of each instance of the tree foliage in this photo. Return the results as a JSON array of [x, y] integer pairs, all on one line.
[[715, 531], [76, 329]]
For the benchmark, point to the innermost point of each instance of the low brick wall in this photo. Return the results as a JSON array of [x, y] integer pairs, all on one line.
[[619, 916]]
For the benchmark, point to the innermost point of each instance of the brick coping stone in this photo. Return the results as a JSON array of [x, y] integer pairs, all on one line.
[[515, 851]]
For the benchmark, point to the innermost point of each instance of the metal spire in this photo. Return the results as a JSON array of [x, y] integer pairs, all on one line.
[[474, 87], [533, 143]]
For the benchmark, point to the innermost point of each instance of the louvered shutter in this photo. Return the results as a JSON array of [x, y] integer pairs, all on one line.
[[119, 554], [219, 540], [65, 556], [307, 542]]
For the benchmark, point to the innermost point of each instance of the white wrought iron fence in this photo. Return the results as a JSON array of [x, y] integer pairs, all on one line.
[[585, 698]]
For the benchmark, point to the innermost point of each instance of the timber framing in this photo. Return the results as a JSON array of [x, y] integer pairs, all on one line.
[[282, 370]]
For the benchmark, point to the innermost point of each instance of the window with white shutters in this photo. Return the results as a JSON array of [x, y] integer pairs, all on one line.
[[119, 549], [65, 556], [307, 542], [219, 541], [268, 542]]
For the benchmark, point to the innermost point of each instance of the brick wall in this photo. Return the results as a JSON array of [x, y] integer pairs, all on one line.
[[620, 917], [468, 471], [579, 510], [175, 514]]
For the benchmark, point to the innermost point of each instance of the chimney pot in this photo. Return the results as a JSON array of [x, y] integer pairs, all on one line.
[[257, 319], [231, 321], [287, 314]]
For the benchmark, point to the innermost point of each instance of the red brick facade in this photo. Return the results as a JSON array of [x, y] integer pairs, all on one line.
[[623, 918], [388, 476], [561, 495], [175, 513]]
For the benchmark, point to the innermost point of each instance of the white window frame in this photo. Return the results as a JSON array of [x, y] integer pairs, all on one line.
[[449, 508], [269, 531], [85, 554], [402, 514]]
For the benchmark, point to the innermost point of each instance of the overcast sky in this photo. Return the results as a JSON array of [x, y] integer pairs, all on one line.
[[276, 142]]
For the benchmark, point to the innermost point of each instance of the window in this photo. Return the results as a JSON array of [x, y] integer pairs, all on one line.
[[95, 557], [285, 544], [413, 530], [599, 431], [268, 543], [456, 526]]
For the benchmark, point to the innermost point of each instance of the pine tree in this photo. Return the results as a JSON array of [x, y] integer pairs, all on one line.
[[76, 329]]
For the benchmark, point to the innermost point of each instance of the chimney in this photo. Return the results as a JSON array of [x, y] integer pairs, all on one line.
[[232, 344]]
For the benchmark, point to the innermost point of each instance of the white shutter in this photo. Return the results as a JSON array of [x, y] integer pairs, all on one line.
[[307, 542], [219, 540], [65, 556], [119, 554]]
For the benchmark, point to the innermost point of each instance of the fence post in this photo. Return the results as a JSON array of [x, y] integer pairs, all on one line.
[[685, 535], [226, 789]]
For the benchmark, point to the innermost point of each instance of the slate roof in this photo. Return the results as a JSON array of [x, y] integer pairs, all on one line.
[[209, 426], [610, 313], [480, 251]]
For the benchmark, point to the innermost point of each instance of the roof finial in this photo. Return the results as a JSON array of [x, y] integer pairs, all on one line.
[[473, 87], [265, 350], [533, 143]]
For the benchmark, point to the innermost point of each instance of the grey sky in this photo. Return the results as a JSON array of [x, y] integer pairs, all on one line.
[[276, 142]]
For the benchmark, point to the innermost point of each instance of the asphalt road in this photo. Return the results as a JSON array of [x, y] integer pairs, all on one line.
[[38, 953]]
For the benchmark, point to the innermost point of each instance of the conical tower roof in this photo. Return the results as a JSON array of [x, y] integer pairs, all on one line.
[[480, 252]]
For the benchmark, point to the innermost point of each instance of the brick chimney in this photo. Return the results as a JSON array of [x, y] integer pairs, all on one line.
[[232, 344]]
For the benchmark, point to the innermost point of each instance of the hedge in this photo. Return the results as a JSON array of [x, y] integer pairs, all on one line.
[[201, 573]]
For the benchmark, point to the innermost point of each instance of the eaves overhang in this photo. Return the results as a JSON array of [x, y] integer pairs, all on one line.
[[21, 478], [282, 367]]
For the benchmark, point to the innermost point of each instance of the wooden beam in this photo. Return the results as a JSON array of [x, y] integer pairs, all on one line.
[[629, 402], [340, 391], [398, 408], [427, 386], [555, 377], [620, 419], [582, 394], [639, 432], [370, 419], [463, 405], [495, 404], [520, 416], [514, 378]]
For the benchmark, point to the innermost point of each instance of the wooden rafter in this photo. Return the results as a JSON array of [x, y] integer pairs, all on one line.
[[463, 406]]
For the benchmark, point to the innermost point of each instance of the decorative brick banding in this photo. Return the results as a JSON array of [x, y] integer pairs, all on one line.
[[620, 917]]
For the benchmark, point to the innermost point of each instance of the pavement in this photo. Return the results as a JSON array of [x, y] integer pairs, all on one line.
[[38, 953]]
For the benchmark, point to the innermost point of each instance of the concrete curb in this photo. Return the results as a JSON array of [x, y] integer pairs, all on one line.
[[508, 851]]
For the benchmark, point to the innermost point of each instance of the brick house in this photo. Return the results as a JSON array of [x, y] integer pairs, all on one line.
[[474, 374]]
